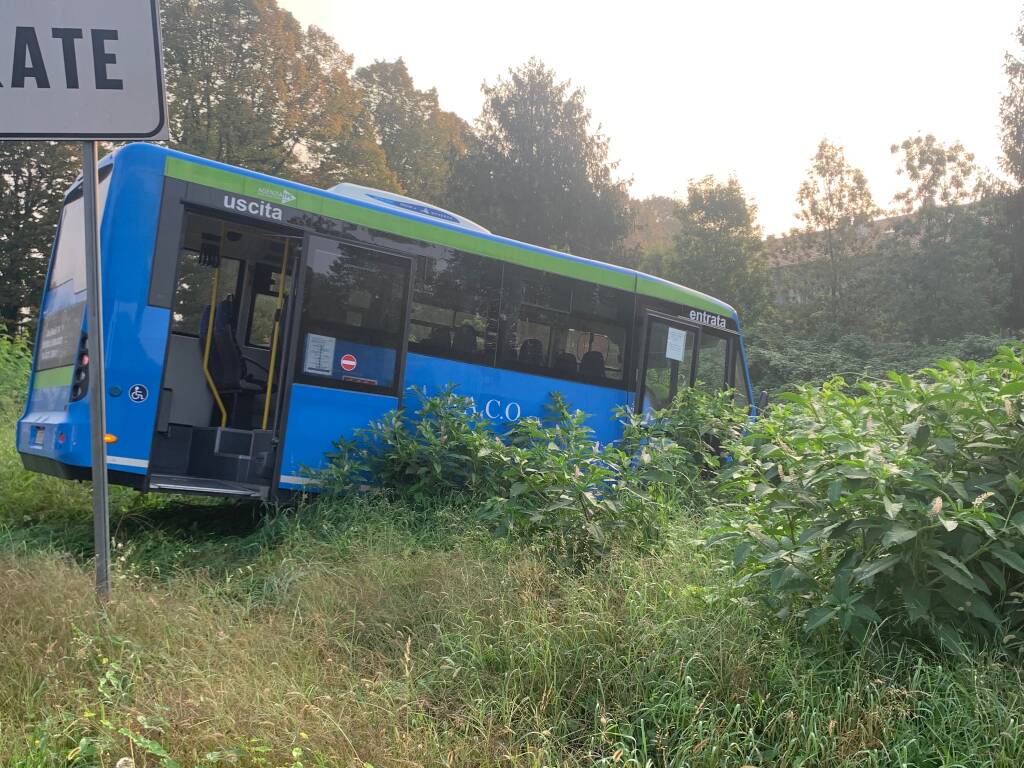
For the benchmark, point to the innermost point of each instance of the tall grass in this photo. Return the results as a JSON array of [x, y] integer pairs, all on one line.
[[348, 633], [357, 644]]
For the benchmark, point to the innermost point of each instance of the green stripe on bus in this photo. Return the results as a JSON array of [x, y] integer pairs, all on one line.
[[229, 181], [53, 377]]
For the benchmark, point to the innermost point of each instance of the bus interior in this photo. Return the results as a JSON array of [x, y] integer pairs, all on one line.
[[222, 395]]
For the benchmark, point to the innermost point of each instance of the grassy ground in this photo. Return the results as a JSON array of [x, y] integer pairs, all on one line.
[[358, 643], [357, 636]]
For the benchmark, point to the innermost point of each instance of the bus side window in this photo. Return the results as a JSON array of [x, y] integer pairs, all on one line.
[[566, 328], [455, 307]]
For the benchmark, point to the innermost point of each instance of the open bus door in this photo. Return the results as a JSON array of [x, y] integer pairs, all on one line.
[[349, 343], [225, 371]]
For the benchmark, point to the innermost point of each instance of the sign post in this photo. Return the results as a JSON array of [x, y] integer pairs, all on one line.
[[97, 404], [88, 71]]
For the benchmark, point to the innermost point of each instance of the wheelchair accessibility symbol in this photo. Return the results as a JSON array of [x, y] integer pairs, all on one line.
[[138, 393]]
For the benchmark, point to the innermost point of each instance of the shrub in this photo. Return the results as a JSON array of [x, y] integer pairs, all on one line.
[[542, 480], [14, 365], [899, 502]]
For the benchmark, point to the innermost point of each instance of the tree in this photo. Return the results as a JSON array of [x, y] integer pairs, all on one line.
[[836, 205], [718, 249], [248, 86], [946, 266], [420, 140], [536, 170], [33, 179], [938, 174], [1012, 117], [653, 236]]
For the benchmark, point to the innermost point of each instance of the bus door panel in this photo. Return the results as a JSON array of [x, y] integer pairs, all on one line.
[[668, 361], [349, 348]]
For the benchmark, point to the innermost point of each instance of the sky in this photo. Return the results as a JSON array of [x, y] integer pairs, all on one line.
[[734, 87]]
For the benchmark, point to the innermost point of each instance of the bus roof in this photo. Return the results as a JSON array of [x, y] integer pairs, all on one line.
[[419, 226]]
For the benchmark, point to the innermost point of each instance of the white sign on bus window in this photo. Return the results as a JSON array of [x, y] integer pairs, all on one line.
[[81, 70], [675, 347]]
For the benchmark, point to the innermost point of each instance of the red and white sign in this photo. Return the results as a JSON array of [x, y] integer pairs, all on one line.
[[348, 362]]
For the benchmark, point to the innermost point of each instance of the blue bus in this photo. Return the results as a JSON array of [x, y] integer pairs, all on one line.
[[250, 322]]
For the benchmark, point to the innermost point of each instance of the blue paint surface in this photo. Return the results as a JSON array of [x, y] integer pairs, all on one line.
[[505, 396], [319, 416], [135, 333]]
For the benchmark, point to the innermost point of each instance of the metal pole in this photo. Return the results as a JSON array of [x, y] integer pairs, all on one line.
[[97, 383]]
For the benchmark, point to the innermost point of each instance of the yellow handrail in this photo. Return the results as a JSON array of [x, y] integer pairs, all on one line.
[[277, 329], [209, 341]]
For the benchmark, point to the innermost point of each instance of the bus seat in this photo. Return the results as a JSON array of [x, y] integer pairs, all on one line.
[[228, 366], [565, 362], [464, 341], [531, 352], [592, 364]]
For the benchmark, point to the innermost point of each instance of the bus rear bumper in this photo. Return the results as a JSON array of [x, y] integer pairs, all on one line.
[[52, 444]]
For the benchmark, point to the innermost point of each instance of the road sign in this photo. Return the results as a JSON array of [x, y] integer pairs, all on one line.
[[87, 70]]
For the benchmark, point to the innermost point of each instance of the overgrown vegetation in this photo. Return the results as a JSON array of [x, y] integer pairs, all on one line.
[[428, 623], [543, 481], [897, 502]]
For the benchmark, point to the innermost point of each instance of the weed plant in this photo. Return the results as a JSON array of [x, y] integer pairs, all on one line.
[[543, 480], [898, 503]]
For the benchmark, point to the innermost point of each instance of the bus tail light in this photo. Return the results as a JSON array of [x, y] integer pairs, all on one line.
[[80, 378]]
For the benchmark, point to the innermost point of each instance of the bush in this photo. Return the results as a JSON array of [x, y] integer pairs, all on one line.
[[900, 502], [544, 481], [782, 361], [15, 359]]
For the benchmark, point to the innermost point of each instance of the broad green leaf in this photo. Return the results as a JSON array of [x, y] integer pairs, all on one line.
[[897, 534], [866, 612], [967, 581], [979, 607], [1013, 388], [892, 508], [917, 599], [854, 473], [949, 637], [1009, 557], [995, 574], [816, 617], [1015, 484], [835, 491], [949, 525], [874, 567]]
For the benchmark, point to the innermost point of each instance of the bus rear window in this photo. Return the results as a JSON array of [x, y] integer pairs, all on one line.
[[68, 269], [64, 303]]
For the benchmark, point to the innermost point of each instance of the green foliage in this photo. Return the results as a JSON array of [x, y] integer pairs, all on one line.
[[835, 206], [1011, 110], [899, 503], [538, 171], [33, 179], [420, 140], [718, 248], [281, 103], [781, 360], [546, 482]]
